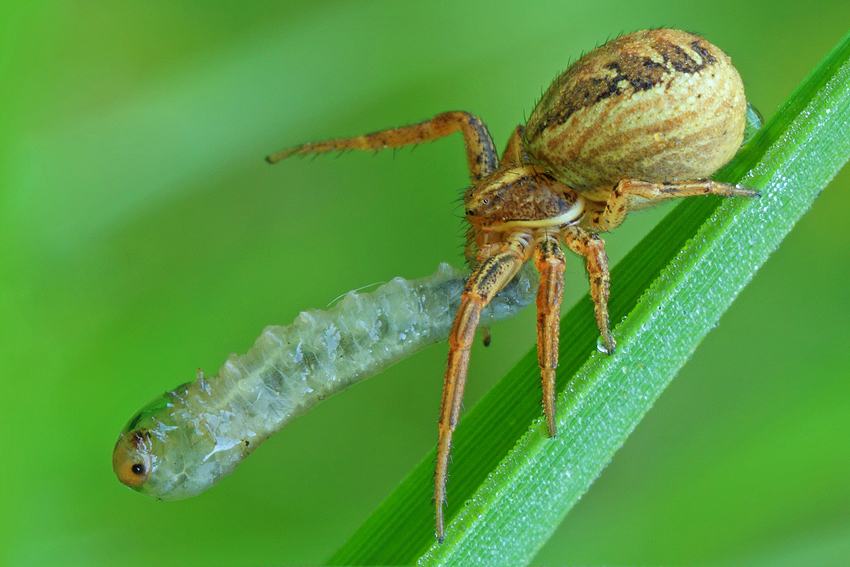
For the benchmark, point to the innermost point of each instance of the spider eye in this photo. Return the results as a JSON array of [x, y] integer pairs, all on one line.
[[485, 201], [138, 469]]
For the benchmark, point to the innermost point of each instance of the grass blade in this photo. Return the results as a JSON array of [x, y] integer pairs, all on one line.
[[511, 486]]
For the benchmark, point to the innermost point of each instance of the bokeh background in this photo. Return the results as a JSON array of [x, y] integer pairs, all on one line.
[[142, 236]]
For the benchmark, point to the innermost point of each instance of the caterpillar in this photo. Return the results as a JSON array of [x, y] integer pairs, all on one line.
[[188, 439]]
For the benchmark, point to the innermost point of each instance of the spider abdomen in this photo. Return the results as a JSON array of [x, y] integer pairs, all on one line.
[[655, 105]]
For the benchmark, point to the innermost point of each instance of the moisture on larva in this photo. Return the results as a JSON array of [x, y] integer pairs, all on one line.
[[186, 440], [641, 119]]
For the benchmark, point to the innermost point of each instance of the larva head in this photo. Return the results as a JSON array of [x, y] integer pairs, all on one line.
[[162, 454], [131, 458]]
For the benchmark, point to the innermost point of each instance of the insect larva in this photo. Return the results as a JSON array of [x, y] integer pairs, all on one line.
[[186, 440]]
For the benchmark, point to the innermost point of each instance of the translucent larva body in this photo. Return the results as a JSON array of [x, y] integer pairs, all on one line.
[[186, 440]]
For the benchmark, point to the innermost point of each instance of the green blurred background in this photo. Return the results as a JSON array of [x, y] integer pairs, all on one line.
[[142, 237]]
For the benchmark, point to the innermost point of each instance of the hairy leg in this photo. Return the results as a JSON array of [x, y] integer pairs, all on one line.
[[486, 244], [592, 248], [514, 153], [481, 154], [491, 276], [618, 203], [550, 262]]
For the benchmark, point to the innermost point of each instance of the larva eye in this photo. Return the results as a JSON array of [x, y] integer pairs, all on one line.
[[131, 459]]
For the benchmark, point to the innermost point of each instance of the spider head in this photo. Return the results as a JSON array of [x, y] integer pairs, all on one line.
[[520, 195], [484, 204]]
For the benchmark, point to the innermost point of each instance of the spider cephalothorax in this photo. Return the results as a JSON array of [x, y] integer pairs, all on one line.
[[643, 118]]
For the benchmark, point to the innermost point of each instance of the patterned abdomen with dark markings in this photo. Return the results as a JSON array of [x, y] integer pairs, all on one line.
[[655, 105]]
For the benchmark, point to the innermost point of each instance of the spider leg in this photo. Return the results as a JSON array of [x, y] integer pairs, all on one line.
[[618, 203], [481, 156], [592, 247], [549, 261], [486, 243], [491, 276], [514, 153]]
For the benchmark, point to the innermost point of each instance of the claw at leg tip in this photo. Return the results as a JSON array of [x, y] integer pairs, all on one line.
[[606, 346]]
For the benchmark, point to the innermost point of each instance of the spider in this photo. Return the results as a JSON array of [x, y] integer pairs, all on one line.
[[644, 118]]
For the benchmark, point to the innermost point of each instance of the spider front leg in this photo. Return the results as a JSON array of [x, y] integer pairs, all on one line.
[[485, 250], [481, 156], [592, 248], [514, 154], [618, 203], [549, 261], [486, 281]]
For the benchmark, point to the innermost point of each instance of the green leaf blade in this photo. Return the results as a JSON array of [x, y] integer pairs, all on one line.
[[511, 486]]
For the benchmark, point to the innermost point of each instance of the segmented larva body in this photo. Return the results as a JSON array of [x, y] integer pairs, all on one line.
[[186, 440]]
